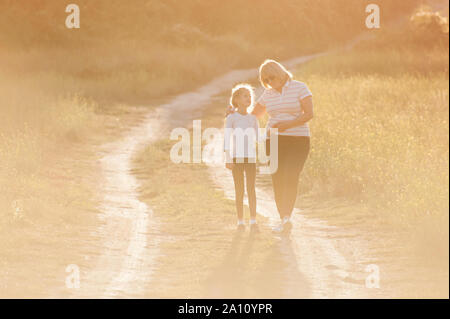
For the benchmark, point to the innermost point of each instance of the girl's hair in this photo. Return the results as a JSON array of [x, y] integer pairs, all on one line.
[[238, 90], [272, 68]]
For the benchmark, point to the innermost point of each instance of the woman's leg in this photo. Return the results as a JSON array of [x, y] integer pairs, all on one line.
[[295, 161], [238, 177], [250, 178], [279, 176]]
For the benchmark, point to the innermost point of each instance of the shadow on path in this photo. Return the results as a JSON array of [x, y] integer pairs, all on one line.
[[257, 269]]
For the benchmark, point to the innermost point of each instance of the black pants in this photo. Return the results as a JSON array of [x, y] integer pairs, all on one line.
[[292, 154], [250, 177]]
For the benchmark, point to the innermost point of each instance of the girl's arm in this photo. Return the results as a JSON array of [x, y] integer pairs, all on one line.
[[306, 116]]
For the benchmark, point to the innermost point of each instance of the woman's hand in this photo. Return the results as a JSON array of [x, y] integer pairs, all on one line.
[[283, 126], [259, 110], [229, 165], [307, 115], [230, 110]]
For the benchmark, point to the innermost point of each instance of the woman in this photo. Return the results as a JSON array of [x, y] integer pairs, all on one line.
[[289, 106]]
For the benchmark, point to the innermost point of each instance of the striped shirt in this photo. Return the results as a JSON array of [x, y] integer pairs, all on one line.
[[286, 106]]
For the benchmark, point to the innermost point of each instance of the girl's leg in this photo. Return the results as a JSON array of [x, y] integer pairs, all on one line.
[[238, 177], [296, 158], [250, 178]]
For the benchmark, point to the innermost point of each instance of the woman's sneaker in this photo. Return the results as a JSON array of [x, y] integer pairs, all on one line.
[[287, 224], [284, 227], [278, 229]]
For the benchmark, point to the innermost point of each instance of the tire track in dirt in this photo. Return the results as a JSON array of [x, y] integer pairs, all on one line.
[[128, 248]]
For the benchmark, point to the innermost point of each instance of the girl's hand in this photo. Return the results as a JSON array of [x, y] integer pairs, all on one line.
[[229, 165]]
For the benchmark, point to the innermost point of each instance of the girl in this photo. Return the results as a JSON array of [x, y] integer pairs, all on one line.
[[241, 160]]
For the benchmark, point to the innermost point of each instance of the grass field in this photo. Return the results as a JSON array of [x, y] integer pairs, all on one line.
[[381, 133]]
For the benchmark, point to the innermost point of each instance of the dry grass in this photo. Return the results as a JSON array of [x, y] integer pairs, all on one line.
[[381, 133], [37, 123]]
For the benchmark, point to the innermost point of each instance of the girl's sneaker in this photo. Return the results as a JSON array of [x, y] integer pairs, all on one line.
[[241, 226]]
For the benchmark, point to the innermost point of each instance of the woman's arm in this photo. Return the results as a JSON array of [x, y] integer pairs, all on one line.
[[259, 110], [306, 116], [230, 110]]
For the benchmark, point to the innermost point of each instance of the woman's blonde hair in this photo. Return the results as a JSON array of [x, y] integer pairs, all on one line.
[[272, 68], [238, 90]]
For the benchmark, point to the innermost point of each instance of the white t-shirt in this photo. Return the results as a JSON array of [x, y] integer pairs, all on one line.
[[244, 129], [286, 106]]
